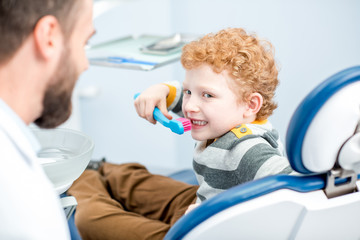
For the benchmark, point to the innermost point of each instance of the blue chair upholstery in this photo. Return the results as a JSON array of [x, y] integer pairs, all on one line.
[[186, 176], [308, 109], [74, 234], [312, 204]]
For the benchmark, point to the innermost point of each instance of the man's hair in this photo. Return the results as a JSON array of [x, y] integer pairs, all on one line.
[[249, 61], [18, 19]]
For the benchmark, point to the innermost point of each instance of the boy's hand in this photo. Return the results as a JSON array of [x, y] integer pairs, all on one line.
[[154, 96], [192, 207]]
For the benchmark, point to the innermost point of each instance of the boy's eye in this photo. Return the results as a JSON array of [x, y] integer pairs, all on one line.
[[207, 95], [188, 92]]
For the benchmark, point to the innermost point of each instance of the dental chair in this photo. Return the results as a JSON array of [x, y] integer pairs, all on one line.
[[321, 202]]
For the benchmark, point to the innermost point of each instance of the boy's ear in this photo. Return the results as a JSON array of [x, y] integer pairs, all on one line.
[[254, 104], [47, 37]]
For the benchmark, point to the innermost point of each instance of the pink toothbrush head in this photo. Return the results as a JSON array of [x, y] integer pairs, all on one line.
[[186, 123]]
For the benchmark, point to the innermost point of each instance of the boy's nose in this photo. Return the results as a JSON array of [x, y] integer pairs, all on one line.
[[191, 105]]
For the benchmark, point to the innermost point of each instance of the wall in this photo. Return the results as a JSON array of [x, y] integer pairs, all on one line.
[[312, 39], [109, 116]]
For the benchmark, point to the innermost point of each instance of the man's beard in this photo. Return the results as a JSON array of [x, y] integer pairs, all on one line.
[[57, 104]]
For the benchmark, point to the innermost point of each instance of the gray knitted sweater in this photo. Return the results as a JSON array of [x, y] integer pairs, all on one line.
[[245, 153]]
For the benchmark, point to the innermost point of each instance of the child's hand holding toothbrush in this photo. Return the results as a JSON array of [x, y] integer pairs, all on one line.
[[151, 105], [154, 96]]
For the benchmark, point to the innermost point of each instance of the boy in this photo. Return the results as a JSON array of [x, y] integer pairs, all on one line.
[[230, 81], [227, 94]]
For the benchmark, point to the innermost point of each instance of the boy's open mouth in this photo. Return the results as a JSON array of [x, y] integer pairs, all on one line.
[[198, 122]]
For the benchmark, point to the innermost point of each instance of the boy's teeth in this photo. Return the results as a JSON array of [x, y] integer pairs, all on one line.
[[196, 122]]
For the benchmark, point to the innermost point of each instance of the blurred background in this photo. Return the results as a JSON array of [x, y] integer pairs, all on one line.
[[313, 39]]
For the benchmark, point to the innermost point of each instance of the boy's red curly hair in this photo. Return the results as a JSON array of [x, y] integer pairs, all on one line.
[[249, 60]]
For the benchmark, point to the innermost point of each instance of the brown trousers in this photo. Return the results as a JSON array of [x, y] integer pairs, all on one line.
[[127, 202]]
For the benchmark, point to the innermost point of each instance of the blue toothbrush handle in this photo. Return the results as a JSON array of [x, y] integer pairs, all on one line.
[[175, 126], [159, 116]]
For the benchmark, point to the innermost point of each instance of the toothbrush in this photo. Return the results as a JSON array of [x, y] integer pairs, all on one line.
[[178, 126]]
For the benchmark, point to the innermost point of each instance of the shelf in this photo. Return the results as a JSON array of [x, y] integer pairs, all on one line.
[[129, 52]]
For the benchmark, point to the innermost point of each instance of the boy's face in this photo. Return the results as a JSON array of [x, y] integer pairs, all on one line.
[[210, 104]]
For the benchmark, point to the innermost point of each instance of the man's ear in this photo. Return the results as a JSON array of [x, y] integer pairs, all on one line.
[[254, 104], [47, 36]]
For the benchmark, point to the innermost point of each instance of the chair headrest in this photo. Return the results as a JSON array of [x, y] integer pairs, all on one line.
[[323, 122]]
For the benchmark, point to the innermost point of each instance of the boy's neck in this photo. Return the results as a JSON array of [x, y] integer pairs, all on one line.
[[209, 141]]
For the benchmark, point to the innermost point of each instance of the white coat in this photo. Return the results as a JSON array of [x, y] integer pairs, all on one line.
[[29, 206]]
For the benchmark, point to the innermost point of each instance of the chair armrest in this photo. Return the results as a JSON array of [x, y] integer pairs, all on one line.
[[69, 204]]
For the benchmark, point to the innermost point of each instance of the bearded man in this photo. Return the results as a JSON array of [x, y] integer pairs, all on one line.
[[41, 57]]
